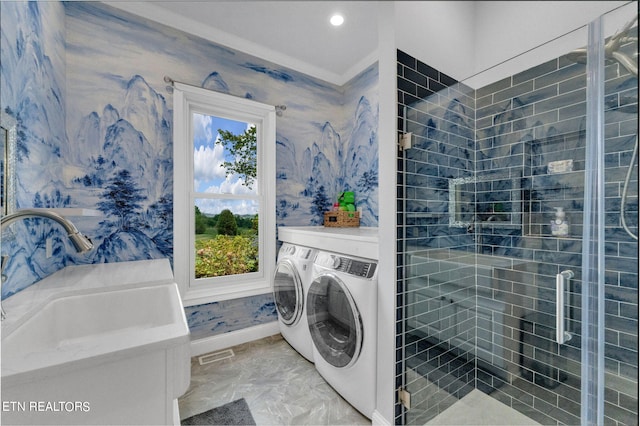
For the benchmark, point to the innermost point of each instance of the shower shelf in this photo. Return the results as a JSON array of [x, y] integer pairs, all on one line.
[[501, 225], [568, 179], [425, 214]]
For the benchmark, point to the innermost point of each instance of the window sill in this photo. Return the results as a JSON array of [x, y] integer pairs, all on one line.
[[204, 296]]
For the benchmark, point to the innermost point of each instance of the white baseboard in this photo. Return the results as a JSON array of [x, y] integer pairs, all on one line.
[[378, 419], [233, 338]]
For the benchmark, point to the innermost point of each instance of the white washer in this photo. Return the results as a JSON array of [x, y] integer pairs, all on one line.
[[342, 316], [290, 286]]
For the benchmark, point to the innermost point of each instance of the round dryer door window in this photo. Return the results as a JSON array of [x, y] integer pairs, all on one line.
[[334, 321], [287, 292]]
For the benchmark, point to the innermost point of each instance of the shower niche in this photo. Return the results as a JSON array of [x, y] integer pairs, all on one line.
[[491, 199], [522, 199], [554, 177]]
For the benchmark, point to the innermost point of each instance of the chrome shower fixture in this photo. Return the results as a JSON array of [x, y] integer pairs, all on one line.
[[612, 49], [612, 53]]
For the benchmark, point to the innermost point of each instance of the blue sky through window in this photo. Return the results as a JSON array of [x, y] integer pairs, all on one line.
[[208, 174]]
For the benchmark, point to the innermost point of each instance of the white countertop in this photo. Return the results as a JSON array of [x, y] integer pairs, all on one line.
[[79, 279], [39, 336], [357, 241]]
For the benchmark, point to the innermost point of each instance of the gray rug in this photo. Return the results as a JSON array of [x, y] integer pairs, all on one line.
[[233, 413]]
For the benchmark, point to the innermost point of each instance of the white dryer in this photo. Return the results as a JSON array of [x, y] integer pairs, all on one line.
[[290, 286], [342, 317]]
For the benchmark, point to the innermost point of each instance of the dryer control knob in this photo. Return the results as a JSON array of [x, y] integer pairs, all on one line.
[[328, 261]]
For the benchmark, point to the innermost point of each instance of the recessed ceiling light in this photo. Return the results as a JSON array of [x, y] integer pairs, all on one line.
[[336, 20]]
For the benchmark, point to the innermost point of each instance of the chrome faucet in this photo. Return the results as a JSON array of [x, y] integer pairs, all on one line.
[[81, 243]]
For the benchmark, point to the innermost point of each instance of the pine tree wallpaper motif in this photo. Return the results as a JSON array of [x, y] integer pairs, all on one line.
[[86, 84]]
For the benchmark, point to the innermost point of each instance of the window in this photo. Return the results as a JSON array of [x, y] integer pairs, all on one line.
[[224, 195]]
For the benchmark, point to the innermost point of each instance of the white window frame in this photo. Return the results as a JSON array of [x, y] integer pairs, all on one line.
[[188, 100]]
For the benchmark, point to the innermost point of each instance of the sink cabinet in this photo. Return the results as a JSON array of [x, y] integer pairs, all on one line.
[[96, 344], [138, 390]]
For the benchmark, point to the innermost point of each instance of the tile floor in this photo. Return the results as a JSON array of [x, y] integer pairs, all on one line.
[[475, 408], [478, 408], [279, 385], [283, 388]]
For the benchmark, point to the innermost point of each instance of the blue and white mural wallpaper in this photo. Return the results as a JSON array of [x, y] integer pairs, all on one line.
[[86, 83], [32, 89], [309, 182]]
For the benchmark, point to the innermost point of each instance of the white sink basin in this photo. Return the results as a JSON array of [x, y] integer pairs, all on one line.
[[105, 348], [77, 327]]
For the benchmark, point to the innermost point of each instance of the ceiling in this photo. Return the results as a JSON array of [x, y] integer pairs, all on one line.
[[295, 34]]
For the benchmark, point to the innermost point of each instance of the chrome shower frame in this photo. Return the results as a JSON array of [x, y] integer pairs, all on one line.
[[612, 53]]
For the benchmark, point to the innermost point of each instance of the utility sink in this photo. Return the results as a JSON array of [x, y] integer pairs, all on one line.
[[119, 356], [78, 327]]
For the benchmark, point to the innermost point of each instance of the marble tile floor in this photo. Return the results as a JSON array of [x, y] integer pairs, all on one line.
[[283, 388], [280, 387], [477, 408]]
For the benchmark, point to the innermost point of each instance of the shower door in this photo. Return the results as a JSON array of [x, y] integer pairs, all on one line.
[[493, 297]]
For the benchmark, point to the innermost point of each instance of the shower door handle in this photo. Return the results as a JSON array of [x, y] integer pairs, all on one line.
[[562, 278]]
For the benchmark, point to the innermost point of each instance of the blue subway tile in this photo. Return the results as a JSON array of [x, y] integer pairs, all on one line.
[[445, 151], [537, 71]]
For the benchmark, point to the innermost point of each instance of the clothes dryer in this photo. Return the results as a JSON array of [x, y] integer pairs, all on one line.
[[291, 282], [342, 316]]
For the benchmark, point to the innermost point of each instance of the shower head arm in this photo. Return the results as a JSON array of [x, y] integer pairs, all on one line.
[[626, 62], [619, 37], [611, 49]]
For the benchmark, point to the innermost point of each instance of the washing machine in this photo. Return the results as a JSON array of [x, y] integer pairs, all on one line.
[[291, 283], [342, 316]]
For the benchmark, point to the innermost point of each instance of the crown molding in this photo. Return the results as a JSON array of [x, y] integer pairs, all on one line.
[[357, 68], [168, 18]]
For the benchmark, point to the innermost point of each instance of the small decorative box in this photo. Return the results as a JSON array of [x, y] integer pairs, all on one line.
[[342, 219]]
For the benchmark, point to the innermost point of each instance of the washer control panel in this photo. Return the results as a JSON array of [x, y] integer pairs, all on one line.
[[346, 265], [298, 252], [304, 253], [287, 249]]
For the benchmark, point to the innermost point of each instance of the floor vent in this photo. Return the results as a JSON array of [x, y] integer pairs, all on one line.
[[216, 356]]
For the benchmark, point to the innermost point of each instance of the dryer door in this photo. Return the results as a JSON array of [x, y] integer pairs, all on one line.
[[287, 292], [334, 321]]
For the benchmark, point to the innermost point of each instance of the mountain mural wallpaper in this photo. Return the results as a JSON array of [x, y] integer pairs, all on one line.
[[86, 83], [32, 88]]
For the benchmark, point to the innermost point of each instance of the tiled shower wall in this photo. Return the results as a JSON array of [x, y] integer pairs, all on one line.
[[521, 124], [437, 301]]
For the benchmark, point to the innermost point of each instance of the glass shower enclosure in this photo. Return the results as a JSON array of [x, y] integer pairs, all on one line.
[[517, 231]]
